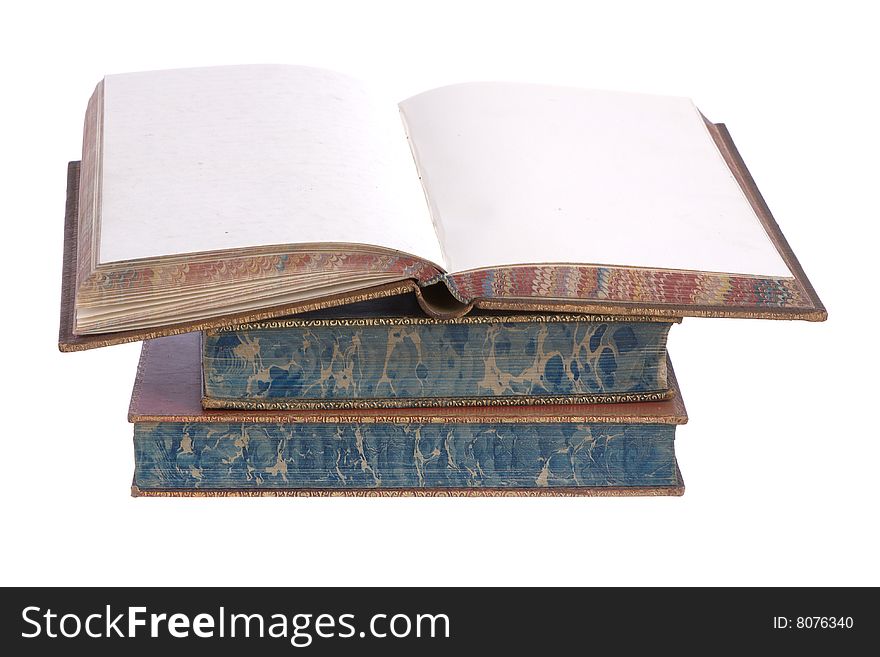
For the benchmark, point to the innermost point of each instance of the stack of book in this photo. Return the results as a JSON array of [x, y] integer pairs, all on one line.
[[313, 327]]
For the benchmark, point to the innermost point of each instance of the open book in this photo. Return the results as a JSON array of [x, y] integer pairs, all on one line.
[[244, 191]]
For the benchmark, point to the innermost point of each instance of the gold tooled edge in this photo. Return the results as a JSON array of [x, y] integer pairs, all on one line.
[[357, 322], [659, 313], [433, 402], [674, 412], [674, 490], [290, 417]]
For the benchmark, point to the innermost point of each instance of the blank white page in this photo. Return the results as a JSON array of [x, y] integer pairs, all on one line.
[[217, 158], [520, 173]]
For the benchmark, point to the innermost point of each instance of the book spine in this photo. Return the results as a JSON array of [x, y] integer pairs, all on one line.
[[477, 361], [226, 456]]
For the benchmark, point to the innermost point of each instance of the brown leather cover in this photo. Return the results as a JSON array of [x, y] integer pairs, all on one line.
[[168, 388], [439, 303]]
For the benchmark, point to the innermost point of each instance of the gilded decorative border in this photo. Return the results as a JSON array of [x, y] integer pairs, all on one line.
[[672, 313], [433, 402], [592, 491], [357, 322], [290, 417]]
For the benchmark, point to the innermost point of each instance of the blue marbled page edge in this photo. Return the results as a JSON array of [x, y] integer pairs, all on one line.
[[486, 363], [218, 456]]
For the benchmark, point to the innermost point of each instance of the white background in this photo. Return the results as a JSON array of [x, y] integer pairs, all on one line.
[[781, 453]]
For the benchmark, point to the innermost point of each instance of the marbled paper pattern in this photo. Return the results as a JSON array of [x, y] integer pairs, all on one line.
[[628, 285], [439, 360], [172, 455]]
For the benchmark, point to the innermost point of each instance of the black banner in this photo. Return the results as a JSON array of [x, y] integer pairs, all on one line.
[[433, 621]]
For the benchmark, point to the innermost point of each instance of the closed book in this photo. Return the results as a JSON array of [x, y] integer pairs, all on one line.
[[387, 354], [182, 449]]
